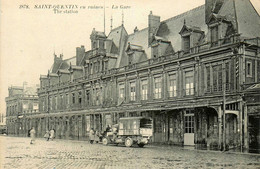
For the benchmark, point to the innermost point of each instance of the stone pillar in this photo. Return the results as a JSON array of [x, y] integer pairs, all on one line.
[[220, 128], [246, 145], [240, 122]]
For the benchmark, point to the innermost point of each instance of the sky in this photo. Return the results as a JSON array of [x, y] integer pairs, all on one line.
[[29, 37]]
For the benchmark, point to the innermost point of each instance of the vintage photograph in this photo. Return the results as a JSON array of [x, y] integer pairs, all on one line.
[[120, 84]]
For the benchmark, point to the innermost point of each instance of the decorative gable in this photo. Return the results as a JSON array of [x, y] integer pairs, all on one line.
[[191, 36]]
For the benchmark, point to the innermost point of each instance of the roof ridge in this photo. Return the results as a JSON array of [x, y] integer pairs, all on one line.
[[172, 18], [114, 29], [185, 13], [138, 31]]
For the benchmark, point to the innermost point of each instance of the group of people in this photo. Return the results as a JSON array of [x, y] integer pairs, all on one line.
[[94, 136], [49, 135]]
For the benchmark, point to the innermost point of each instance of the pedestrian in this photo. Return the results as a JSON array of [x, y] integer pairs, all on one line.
[[52, 134], [91, 136], [97, 135], [32, 135], [47, 135]]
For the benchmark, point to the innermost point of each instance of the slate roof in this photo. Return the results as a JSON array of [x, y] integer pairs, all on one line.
[[240, 13], [115, 35], [243, 16], [170, 28]]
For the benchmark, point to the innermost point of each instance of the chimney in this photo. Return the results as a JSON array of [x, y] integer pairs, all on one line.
[[79, 54], [153, 25], [212, 6]]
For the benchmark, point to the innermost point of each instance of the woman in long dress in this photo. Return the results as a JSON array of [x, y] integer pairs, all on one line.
[[52, 133], [47, 135], [32, 134], [91, 136]]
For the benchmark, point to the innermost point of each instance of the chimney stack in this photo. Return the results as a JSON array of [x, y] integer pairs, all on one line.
[[153, 25], [79, 54]]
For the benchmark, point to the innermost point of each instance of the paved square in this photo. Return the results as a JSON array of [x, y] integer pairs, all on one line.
[[60, 154]]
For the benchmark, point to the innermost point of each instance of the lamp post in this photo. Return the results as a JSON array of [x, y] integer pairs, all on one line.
[[224, 117]]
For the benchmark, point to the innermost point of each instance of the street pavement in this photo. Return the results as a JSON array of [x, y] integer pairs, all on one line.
[[17, 152]]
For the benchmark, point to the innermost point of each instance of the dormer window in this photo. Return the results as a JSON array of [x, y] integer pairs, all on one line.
[[214, 35], [186, 44], [191, 36]]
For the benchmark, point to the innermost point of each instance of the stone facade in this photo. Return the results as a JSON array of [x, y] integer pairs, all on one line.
[[21, 103], [187, 73]]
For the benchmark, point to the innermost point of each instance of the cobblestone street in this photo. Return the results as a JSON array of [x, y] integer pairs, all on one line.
[[59, 154]]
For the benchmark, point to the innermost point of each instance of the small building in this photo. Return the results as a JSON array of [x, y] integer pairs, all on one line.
[[22, 102]]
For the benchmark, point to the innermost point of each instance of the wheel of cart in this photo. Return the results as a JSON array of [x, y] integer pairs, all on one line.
[[105, 141], [128, 142]]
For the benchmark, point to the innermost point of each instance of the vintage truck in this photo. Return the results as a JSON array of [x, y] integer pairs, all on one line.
[[129, 131]]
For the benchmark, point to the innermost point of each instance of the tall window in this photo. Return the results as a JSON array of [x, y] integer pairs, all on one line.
[[249, 71], [144, 89], [214, 35], [87, 97], [217, 77], [132, 91], [157, 87], [121, 91], [105, 65], [189, 121], [80, 98], [50, 103], [97, 96], [172, 85], [56, 102], [73, 98], [186, 44], [227, 76], [208, 79], [67, 99], [61, 101], [189, 83]]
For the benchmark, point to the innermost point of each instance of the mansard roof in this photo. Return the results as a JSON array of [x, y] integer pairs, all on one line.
[[169, 29], [62, 64], [243, 16]]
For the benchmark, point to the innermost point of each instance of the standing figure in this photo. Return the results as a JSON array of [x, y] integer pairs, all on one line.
[[91, 136], [52, 134], [47, 135], [97, 135], [32, 135]]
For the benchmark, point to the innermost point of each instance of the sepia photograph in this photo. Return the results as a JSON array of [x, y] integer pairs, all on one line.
[[129, 84]]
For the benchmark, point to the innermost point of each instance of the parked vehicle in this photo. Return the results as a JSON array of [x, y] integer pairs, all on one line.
[[129, 131]]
